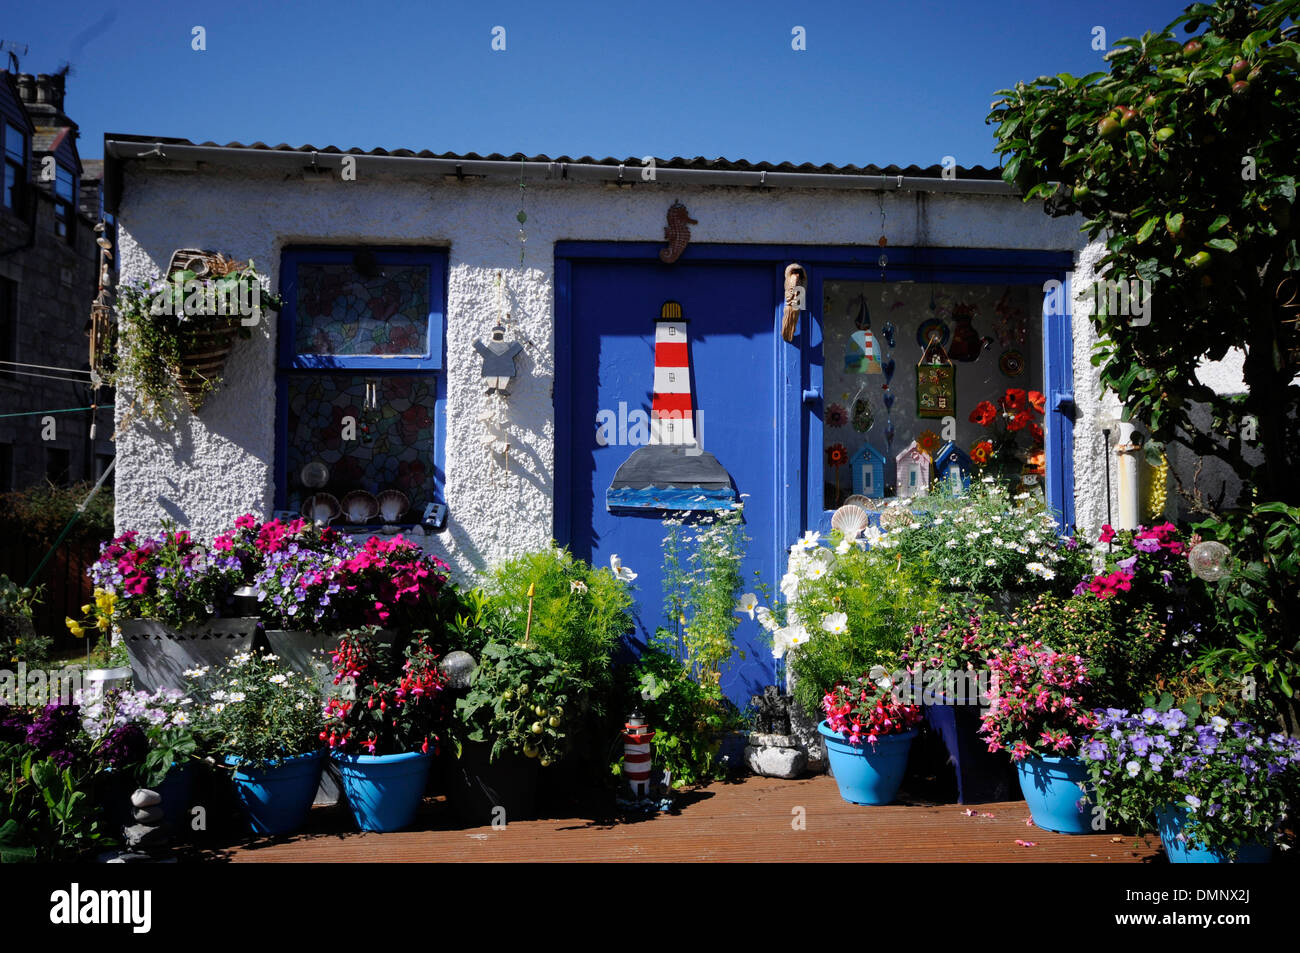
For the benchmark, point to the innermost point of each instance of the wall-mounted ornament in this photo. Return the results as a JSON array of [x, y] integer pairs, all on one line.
[[913, 466], [322, 508], [499, 355], [931, 328], [868, 469], [860, 313], [1011, 363], [677, 234], [966, 341], [861, 416], [672, 471], [836, 416], [796, 298], [953, 466], [936, 383], [836, 457], [1011, 326], [862, 354], [888, 333]]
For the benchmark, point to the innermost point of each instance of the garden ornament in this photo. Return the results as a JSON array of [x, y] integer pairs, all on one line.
[[498, 359]]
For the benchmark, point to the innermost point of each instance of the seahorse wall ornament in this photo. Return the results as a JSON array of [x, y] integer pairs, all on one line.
[[676, 233]]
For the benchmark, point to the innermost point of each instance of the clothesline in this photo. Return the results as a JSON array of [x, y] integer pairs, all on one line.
[[64, 410]]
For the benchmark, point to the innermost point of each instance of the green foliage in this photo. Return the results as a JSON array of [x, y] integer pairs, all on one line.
[[47, 812], [522, 700], [579, 613], [1183, 158], [35, 516], [702, 581], [1258, 607], [18, 639], [879, 596], [688, 717]]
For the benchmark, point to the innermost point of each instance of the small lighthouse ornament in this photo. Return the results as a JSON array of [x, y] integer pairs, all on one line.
[[636, 754]]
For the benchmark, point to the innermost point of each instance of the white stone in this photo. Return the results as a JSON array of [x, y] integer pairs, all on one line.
[[774, 762]]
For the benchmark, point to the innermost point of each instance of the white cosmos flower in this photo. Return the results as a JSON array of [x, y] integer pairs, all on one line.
[[880, 677], [747, 604], [789, 586], [621, 572], [810, 540], [816, 570], [836, 623], [764, 615], [844, 546]]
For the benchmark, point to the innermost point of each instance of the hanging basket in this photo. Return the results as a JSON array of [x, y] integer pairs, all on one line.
[[203, 357]]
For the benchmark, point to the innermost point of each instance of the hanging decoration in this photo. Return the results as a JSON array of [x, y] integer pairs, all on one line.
[[932, 328], [836, 457], [796, 294], [936, 383], [499, 354], [966, 341], [1011, 363], [521, 216], [498, 359], [836, 416], [861, 418], [677, 234], [672, 471], [862, 355], [860, 313], [886, 365], [1011, 327]]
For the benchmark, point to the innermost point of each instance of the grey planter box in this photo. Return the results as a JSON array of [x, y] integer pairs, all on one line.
[[160, 654]]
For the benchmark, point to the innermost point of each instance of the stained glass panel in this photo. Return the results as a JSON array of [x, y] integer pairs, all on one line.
[[340, 312], [393, 447]]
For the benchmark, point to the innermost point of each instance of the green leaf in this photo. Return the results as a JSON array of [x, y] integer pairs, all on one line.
[[1154, 450], [1217, 224], [1147, 228], [1222, 244]]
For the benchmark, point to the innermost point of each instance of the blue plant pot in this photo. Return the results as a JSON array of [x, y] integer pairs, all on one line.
[[384, 791], [866, 773], [1051, 787], [277, 797], [981, 774], [1170, 821], [177, 791]]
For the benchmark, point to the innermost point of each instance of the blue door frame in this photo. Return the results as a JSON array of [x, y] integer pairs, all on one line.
[[798, 365]]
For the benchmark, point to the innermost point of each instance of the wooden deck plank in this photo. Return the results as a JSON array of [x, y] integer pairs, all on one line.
[[750, 820]]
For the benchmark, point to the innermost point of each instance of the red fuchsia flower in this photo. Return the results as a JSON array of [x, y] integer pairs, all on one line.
[[983, 414], [1038, 401], [1020, 421], [1014, 399], [1107, 533]]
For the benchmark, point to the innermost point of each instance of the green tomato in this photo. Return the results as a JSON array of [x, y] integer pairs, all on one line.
[[554, 721], [537, 728], [523, 689], [546, 762], [530, 751], [508, 695], [539, 711]]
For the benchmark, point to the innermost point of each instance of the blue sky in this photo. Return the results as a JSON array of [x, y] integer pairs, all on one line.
[[906, 82]]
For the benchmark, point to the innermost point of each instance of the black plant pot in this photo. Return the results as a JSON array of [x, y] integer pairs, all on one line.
[[479, 788], [982, 775]]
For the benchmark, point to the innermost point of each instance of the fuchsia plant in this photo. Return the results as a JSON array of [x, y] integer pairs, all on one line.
[[866, 711]]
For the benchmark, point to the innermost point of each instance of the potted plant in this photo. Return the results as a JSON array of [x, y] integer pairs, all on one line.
[[380, 726], [179, 328], [1217, 791], [1036, 713], [518, 717], [166, 593], [868, 733], [18, 638], [947, 661], [263, 722]]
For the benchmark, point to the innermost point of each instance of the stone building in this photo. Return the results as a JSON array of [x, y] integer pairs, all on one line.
[[48, 278]]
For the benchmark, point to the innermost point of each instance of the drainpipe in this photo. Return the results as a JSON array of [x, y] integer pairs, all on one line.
[[1128, 453]]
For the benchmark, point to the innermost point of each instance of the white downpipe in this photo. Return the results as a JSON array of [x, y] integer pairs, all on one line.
[[1129, 456]]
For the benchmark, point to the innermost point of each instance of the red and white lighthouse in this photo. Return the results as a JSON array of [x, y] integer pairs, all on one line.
[[636, 754], [672, 414]]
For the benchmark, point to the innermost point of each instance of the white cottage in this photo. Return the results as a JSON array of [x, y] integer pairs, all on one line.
[[401, 272]]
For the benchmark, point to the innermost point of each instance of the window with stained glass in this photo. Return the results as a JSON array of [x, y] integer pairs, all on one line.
[[361, 387]]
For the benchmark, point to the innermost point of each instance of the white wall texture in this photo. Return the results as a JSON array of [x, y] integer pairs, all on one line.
[[219, 464]]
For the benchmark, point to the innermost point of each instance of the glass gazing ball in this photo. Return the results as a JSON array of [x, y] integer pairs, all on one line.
[[1209, 560]]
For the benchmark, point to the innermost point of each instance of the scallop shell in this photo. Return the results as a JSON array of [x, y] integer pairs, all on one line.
[[857, 499], [360, 506], [321, 508], [850, 520], [393, 504]]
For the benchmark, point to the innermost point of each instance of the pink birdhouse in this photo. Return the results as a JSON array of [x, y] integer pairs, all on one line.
[[913, 469]]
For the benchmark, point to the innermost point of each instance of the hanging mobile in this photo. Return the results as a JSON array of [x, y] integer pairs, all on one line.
[[862, 418]]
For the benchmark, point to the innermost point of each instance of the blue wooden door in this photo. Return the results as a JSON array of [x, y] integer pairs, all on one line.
[[605, 342]]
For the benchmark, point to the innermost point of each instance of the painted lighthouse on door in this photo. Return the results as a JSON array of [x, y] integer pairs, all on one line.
[[672, 472]]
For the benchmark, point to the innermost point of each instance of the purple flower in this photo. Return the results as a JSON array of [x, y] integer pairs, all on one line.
[[1166, 577], [1128, 565], [1096, 750], [1145, 546]]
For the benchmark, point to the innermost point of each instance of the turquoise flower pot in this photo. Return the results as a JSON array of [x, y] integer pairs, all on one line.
[[1170, 822], [384, 790], [1051, 787], [866, 773], [277, 797]]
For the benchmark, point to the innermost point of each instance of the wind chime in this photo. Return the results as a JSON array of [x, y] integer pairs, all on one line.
[[102, 327], [887, 332]]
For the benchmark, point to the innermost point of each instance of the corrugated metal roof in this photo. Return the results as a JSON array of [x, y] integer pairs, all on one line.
[[720, 164]]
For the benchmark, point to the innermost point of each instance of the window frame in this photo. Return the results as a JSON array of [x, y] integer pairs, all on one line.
[[19, 165], [65, 209], [432, 362]]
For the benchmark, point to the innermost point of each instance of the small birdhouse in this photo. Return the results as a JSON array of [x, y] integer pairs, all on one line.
[[868, 469], [913, 471], [952, 465]]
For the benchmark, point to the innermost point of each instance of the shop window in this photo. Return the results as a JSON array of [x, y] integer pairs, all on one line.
[[885, 386], [361, 341]]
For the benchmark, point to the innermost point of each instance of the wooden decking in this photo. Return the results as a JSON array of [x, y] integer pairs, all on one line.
[[755, 819]]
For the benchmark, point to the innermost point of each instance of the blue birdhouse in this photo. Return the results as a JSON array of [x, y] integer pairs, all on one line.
[[868, 468], [953, 466]]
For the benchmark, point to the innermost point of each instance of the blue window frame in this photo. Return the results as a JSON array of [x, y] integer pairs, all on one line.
[[65, 203], [15, 165], [361, 392]]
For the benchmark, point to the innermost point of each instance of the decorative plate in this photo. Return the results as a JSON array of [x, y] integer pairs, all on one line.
[[929, 327], [1011, 363]]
